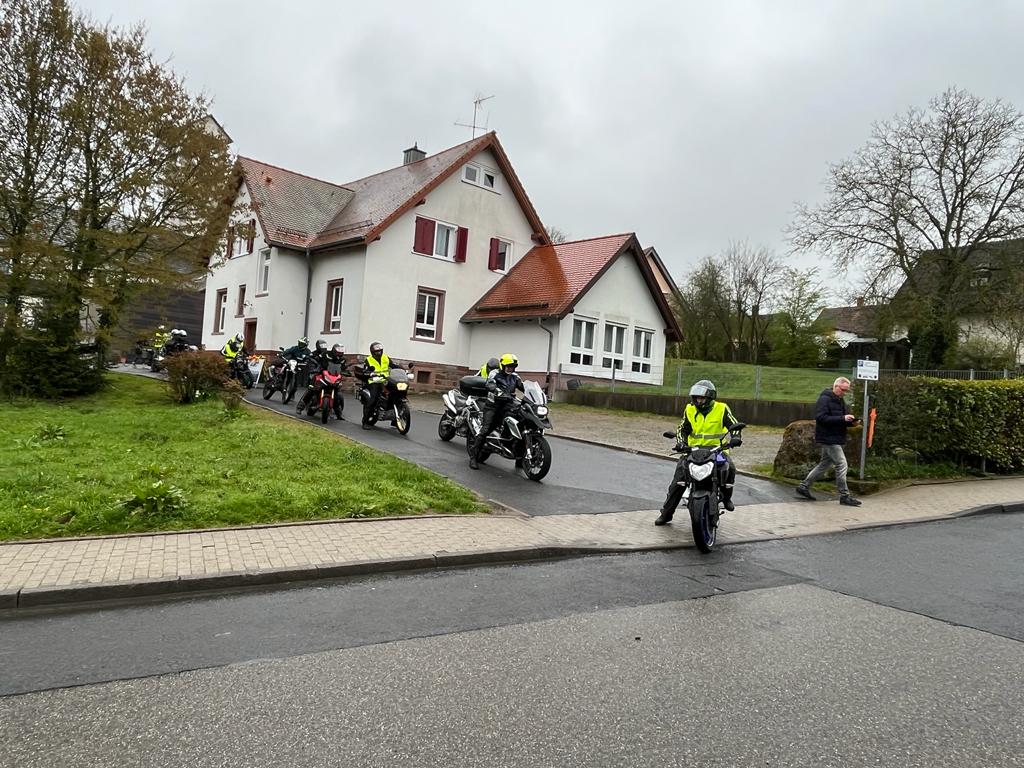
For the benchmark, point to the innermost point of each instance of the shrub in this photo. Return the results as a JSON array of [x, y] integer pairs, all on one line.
[[946, 419], [195, 375]]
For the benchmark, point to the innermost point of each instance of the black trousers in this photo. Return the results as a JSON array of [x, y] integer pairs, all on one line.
[[493, 413], [371, 405], [675, 490]]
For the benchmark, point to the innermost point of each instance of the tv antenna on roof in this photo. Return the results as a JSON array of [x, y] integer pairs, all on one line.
[[476, 108]]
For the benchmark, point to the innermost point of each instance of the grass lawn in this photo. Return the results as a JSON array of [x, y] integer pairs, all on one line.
[[69, 469], [737, 381]]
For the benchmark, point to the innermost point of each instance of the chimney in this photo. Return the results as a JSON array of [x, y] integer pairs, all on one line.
[[860, 302], [413, 154]]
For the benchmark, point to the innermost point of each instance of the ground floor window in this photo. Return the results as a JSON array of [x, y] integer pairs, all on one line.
[[582, 350], [614, 346], [643, 344]]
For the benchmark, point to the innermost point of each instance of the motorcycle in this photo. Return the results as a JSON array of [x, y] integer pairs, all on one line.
[[705, 468], [169, 350], [284, 376], [459, 405], [393, 404], [238, 369], [520, 436], [326, 389]]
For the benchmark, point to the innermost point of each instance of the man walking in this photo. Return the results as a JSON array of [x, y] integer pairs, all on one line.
[[832, 419]]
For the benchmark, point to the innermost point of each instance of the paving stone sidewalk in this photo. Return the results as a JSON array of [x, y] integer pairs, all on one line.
[[67, 571]]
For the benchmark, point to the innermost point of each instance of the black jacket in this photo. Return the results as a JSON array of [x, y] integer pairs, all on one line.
[[830, 419], [503, 385]]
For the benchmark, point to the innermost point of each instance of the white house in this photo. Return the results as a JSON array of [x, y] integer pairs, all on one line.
[[408, 256]]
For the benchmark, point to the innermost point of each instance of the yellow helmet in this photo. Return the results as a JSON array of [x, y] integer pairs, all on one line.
[[508, 359]]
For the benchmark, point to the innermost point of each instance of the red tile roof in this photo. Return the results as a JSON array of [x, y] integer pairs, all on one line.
[[550, 279], [299, 211]]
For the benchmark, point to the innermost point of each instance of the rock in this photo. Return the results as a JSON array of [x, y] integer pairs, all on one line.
[[799, 453]]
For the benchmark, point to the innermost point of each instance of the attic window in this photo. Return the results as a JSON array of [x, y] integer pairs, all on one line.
[[479, 176]]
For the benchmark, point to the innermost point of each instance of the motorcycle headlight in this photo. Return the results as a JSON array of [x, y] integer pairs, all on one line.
[[542, 410], [700, 471], [402, 385]]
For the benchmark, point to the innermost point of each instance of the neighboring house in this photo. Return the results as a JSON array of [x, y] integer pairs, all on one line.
[[584, 309], [859, 333], [400, 256], [666, 284]]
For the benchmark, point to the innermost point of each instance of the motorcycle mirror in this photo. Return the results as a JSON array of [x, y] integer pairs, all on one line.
[[737, 427]]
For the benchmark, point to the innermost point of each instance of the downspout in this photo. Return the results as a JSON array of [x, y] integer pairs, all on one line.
[[309, 289], [551, 342]]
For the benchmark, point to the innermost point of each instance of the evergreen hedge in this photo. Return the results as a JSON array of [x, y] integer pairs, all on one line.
[[953, 420]]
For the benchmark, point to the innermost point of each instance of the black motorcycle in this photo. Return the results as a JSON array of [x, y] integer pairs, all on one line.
[[520, 435], [460, 404], [393, 404], [238, 369], [168, 350], [285, 375], [705, 468]]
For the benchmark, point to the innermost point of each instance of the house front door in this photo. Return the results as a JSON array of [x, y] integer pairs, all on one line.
[[250, 335]]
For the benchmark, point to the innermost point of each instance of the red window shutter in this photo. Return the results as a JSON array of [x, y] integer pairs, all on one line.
[[492, 259], [461, 243], [252, 233], [231, 240], [423, 242]]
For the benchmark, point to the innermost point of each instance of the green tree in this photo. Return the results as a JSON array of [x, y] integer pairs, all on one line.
[[927, 192], [794, 338], [111, 183]]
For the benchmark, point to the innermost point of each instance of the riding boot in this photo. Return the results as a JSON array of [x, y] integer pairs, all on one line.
[[727, 498], [474, 457]]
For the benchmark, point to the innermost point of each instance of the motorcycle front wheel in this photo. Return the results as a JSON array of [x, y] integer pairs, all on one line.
[[404, 421], [703, 523], [446, 428], [288, 388], [269, 389], [537, 461], [325, 411]]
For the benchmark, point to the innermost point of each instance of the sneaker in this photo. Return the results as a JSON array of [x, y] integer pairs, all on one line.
[[664, 518], [729, 506], [849, 501], [802, 490]]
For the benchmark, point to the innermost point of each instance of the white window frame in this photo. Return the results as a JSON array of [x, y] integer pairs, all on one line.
[[263, 277], [643, 350], [613, 354], [222, 310], [240, 247], [484, 177], [508, 254], [453, 240], [336, 299], [579, 352], [425, 330]]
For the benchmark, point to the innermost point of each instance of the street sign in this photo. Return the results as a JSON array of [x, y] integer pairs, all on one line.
[[867, 369]]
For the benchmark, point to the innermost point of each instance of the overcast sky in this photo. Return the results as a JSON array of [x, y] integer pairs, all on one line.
[[692, 124]]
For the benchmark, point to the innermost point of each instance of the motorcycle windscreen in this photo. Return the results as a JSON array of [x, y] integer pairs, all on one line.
[[534, 393]]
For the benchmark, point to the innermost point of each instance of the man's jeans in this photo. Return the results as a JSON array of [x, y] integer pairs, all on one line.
[[830, 454]]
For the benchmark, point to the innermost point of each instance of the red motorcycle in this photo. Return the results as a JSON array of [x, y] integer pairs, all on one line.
[[324, 394]]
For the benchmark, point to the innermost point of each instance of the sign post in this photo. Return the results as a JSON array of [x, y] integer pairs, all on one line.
[[867, 370]]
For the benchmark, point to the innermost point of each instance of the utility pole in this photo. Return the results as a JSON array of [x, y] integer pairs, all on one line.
[[476, 108]]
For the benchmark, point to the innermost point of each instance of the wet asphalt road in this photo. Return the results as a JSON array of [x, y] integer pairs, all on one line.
[[583, 478], [899, 646]]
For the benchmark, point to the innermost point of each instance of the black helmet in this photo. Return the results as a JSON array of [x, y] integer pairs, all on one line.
[[376, 349], [492, 364], [338, 349], [321, 345], [702, 395]]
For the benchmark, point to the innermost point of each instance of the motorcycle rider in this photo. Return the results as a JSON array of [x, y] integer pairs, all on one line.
[[490, 365], [176, 342], [230, 350], [322, 358], [501, 388], [705, 421], [375, 371], [299, 352], [160, 337]]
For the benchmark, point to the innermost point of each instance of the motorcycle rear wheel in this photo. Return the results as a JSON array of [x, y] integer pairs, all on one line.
[[703, 522], [446, 428]]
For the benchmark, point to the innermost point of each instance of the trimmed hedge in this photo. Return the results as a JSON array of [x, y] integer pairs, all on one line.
[[948, 419]]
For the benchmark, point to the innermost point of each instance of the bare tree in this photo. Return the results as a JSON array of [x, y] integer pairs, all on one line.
[[557, 235], [928, 190], [754, 277]]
